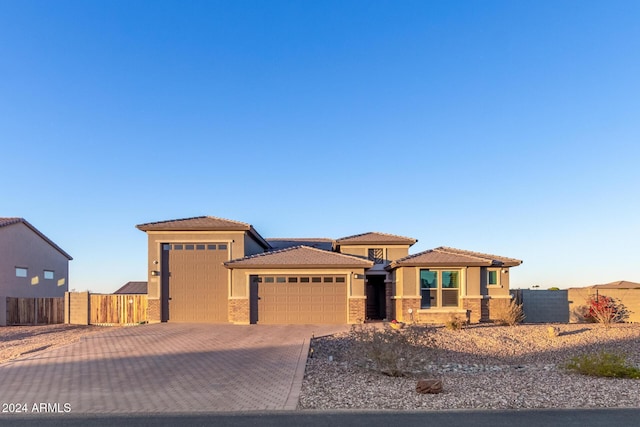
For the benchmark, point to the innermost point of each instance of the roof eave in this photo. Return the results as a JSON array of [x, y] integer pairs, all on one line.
[[232, 265]]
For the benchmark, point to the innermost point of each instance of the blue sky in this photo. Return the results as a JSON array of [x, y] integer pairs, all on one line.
[[496, 126]]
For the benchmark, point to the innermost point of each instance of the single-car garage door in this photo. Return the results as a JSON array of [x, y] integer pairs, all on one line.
[[302, 299], [195, 288]]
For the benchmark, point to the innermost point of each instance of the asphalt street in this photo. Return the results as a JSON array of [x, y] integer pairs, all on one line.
[[510, 418]]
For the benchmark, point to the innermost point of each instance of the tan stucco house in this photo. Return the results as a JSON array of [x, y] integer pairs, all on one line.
[[31, 265], [208, 269]]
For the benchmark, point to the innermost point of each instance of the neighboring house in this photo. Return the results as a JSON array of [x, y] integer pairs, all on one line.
[[31, 265], [133, 288], [208, 269]]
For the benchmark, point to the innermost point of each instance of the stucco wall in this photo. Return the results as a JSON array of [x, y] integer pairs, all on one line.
[[251, 247], [629, 297], [22, 247]]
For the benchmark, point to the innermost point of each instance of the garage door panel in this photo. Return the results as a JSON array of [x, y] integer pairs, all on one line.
[[296, 302], [197, 286]]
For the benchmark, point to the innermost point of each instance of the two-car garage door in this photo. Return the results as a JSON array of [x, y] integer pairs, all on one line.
[[301, 299]]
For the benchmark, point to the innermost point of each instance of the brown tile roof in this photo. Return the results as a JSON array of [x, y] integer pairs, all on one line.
[[620, 284], [300, 257], [203, 223], [9, 221], [375, 238], [444, 256], [282, 243], [208, 223], [133, 288]]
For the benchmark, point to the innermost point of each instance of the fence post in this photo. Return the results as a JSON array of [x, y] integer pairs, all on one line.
[[3, 310]]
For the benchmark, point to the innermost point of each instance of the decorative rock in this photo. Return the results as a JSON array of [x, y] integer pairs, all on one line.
[[429, 386], [553, 331]]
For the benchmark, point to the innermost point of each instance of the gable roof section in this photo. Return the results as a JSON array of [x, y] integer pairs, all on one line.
[[133, 288], [299, 257], [4, 222], [282, 243], [375, 238], [451, 257], [204, 223]]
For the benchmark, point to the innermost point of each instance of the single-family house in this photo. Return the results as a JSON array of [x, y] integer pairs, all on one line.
[[31, 265], [209, 269]]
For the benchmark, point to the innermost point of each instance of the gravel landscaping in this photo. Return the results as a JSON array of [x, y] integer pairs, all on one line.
[[17, 341], [481, 366]]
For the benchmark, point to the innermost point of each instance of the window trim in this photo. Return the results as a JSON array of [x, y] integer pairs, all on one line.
[[440, 289], [497, 284]]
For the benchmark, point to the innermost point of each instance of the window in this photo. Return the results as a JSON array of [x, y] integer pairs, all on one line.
[[166, 247], [339, 279], [281, 279], [268, 280], [376, 255], [316, 279], [48, 274], [328, 280], [211, 247], [439, 288], [304, 280], [492, 277], [200, 247], [293, 280], [21, 272], [188, 247], [177, 247], [222, 247]]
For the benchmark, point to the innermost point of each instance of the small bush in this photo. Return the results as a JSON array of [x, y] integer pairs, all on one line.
[[388, 351], [455, 323], [510, 315], [603, 364], [605, 310]]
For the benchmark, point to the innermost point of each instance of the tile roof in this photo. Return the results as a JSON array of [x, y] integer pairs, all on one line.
[[620, 284], [204, 223], [376, 238], [300, 257], [208, 223], [282, 243], [133, 288], [6, 221], [445, 256]]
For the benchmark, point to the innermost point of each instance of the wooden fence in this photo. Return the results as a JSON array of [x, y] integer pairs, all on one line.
[[117, 309], [34, 311]]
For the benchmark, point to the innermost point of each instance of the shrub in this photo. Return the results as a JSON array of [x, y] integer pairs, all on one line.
[[455, 323], [388, 351], [605, 310], [510, 315], [603, 364]]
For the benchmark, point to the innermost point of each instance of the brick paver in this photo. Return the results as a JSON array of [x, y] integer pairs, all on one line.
[[172, 368]]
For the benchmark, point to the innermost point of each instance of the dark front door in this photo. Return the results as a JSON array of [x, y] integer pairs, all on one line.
[[376, 298]]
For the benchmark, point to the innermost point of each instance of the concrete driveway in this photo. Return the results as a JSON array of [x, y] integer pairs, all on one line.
[[166, 368]]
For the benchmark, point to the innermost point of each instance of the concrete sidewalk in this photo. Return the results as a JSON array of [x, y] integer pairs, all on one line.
[[166, 368]]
